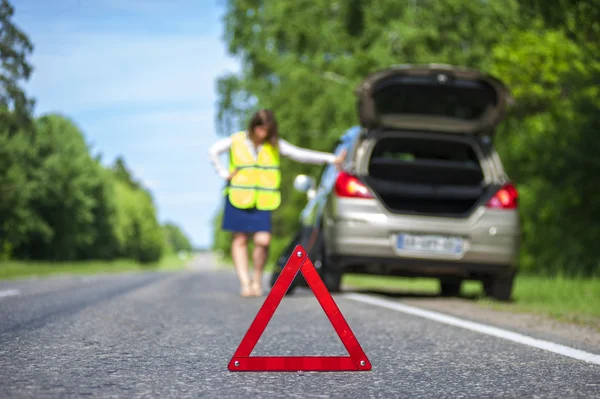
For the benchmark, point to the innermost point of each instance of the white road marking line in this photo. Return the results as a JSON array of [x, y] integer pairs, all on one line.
[[9, 293], [477, 327]]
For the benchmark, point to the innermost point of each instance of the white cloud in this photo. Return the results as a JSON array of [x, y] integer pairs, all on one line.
[[152, 184], [140, 6], [110, 70], [176, 130], [155, 6], [170, 118]]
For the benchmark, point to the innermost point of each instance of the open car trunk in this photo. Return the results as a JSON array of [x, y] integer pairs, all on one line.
[[440, 98], [425, 176], [406, 109]]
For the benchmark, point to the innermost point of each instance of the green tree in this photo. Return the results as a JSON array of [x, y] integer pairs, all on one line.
[[66, 177], [138, 231], [15, 47], [19, 220], [549, 144], [123, 173], [176, 239], [104, 244]]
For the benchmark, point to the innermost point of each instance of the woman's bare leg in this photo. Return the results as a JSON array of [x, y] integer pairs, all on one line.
[[262, 240], [239, 254]]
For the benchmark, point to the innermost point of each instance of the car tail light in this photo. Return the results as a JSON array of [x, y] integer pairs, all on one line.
[[347, 185], [506, 198]]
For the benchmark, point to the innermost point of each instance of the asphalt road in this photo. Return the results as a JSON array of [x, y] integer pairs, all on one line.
[[172, 335]]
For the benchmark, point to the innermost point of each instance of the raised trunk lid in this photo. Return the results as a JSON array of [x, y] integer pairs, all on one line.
[[432, 97]]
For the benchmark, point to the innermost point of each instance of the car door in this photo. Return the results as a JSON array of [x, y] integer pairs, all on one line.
[[312, 214]]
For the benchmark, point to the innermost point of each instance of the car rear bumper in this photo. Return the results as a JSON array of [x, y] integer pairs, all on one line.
[[418, 267], [491, 240]]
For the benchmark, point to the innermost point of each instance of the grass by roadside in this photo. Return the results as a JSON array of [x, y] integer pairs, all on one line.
[[17, 269], [571, 300]]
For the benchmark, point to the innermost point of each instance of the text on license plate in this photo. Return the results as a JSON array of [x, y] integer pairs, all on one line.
[[430, 244]]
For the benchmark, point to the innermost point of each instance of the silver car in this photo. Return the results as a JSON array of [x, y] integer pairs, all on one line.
[[423, 192]]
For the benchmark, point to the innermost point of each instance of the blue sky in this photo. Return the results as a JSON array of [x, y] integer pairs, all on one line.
[[139, 79]]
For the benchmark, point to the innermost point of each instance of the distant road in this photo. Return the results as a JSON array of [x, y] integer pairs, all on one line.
[[169, 335]]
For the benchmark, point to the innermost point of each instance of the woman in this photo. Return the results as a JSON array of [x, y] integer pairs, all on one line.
[[252, 191]]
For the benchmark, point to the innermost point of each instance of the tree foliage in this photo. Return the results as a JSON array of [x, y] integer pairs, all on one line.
[[57, 201], [176, 238], [15, 47], [303, 59]]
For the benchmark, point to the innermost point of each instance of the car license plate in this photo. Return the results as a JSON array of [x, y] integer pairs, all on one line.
[[430, 244]]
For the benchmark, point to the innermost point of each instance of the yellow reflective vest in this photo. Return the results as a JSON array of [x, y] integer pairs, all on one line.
[[258, 180]]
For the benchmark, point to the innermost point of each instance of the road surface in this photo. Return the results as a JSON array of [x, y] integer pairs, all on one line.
[[172, 335]]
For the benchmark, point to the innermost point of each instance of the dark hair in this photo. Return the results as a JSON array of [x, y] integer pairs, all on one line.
[[266, 118]]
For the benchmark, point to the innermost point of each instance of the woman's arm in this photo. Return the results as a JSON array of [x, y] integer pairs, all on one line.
[[215, 151], [303, 155]]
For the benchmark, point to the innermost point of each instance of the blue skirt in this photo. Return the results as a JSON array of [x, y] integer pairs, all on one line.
[[245, 220]]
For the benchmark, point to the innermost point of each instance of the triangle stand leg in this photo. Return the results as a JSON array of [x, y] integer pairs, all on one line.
[[299, 262]]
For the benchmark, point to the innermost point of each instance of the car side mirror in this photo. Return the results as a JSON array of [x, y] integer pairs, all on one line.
[[305, 184]]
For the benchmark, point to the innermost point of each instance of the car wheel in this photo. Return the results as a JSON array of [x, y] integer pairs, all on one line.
[[450, 288], [275, 276], [332, 280], [331, 277], [499, 287]]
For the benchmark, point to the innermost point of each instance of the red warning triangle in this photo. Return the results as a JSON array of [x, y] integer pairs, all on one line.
[[242, 361]]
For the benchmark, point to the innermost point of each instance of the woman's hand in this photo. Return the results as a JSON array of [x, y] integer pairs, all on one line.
[[232, 174], [340, 159]]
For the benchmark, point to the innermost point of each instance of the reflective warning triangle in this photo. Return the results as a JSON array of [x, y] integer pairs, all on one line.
[[299, 262]]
